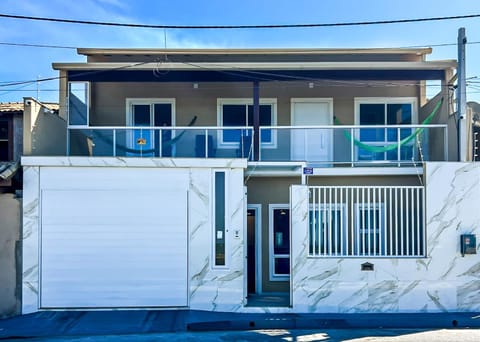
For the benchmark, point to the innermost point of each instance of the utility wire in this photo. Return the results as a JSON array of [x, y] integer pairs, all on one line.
[[39, 45], [354, 23], [303, 49]]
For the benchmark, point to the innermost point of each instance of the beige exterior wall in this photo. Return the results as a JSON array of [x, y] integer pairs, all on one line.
[[108, 100], [44, 133], [9, 237], [275, 190]]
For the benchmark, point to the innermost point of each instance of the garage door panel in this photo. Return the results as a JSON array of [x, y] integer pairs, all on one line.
[[114, 248]]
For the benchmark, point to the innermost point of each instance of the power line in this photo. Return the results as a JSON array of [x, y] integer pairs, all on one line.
[[38, 45], [355, 23], [303, 49]]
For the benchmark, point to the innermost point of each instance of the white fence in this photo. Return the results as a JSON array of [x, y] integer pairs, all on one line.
[[372, 221]]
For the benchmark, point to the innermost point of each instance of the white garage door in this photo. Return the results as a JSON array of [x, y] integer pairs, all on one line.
[[113, 248]]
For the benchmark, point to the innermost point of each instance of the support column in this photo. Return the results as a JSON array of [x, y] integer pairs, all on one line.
[[256, 121]]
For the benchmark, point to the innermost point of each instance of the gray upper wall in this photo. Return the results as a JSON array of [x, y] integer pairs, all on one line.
[[255, 55], [108, 99]]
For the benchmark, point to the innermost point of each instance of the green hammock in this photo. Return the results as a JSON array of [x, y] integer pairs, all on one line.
[[393, 146]]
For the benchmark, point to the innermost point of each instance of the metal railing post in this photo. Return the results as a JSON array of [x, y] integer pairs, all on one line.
[[68, 142], [352, 147], [206, 143], [114, 141]]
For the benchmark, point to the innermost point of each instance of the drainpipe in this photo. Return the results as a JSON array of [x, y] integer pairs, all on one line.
[[461, 97]]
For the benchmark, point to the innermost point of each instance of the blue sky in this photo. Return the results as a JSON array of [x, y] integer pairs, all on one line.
[[22, 63]]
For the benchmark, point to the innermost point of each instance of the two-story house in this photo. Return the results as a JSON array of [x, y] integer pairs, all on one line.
[[286, 180]]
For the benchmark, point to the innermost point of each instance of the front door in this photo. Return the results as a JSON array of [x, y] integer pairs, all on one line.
[[150, 142], [308, 144]]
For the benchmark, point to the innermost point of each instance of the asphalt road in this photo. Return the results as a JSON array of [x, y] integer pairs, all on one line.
[[304, 335]]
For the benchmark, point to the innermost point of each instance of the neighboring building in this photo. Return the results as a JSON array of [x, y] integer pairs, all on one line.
[[291, 180], [11, 150], [473, 114]]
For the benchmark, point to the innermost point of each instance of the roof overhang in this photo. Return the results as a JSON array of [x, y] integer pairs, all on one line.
[[437, 65], [247, 72], [296, 51]]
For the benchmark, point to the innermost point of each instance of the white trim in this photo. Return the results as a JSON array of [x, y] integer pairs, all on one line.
[[368, 171], [258, 247], [413, 101], [87, 95], [131, 101], [271, 256], [245, 101], [386, 100], [324, 208], [433, 65], [380, 227], [329, 102], [226, 234]]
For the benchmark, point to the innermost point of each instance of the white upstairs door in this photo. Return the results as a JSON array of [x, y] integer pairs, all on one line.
[[312, 145]]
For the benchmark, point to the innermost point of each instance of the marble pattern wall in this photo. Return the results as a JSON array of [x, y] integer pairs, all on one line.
[[443, 281], [220, 289]]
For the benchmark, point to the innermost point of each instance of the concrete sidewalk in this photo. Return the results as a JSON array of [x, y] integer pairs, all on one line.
[[78, 323]]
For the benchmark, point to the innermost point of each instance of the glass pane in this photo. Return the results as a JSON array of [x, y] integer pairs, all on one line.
[[142, 143], [265, 120], [219, 218], [281, 231], [398, 114], [282, 266], [141, 115], [233, 115], [3, 129], [162, 114], [78, 103], [372, 114]]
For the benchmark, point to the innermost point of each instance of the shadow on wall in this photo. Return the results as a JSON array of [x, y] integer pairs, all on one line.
[[49, 136], [10, 256]]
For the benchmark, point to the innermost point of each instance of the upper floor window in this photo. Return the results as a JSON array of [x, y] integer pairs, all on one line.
[[384, 143], [78, 103], [239, 113]]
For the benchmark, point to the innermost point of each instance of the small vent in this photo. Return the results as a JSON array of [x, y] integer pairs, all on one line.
[[367, 266]]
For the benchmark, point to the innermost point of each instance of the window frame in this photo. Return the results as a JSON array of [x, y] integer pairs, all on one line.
[[131, 101], [214, 266], [342, 209], [359, 231], [358, 101], [271, 256], [221, 144], [88, 104]]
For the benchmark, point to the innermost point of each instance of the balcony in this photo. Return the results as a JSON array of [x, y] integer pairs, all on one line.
[[320, 146]]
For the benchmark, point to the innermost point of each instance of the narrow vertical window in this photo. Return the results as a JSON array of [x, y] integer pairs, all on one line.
[[78, 103], [219, 237]]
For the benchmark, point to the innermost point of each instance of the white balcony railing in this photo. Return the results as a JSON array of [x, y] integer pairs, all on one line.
[[367, 221], [317, 145]]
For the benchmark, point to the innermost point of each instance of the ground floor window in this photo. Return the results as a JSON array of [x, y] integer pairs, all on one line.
[[372, 221], [279, 241]]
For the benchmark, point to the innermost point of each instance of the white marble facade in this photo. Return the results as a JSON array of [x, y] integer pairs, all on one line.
[[443, 281], [213, 289]]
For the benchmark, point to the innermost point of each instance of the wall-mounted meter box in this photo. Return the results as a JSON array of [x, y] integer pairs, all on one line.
[[468, 244]]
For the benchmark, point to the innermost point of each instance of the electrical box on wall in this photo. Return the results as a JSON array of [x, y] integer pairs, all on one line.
[[468, 244]]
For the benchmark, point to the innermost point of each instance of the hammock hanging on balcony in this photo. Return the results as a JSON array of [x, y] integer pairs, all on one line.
[[393, 146], [167, 143]]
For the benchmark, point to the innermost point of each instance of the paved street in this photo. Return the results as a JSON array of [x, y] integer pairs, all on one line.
[[330, 335]]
